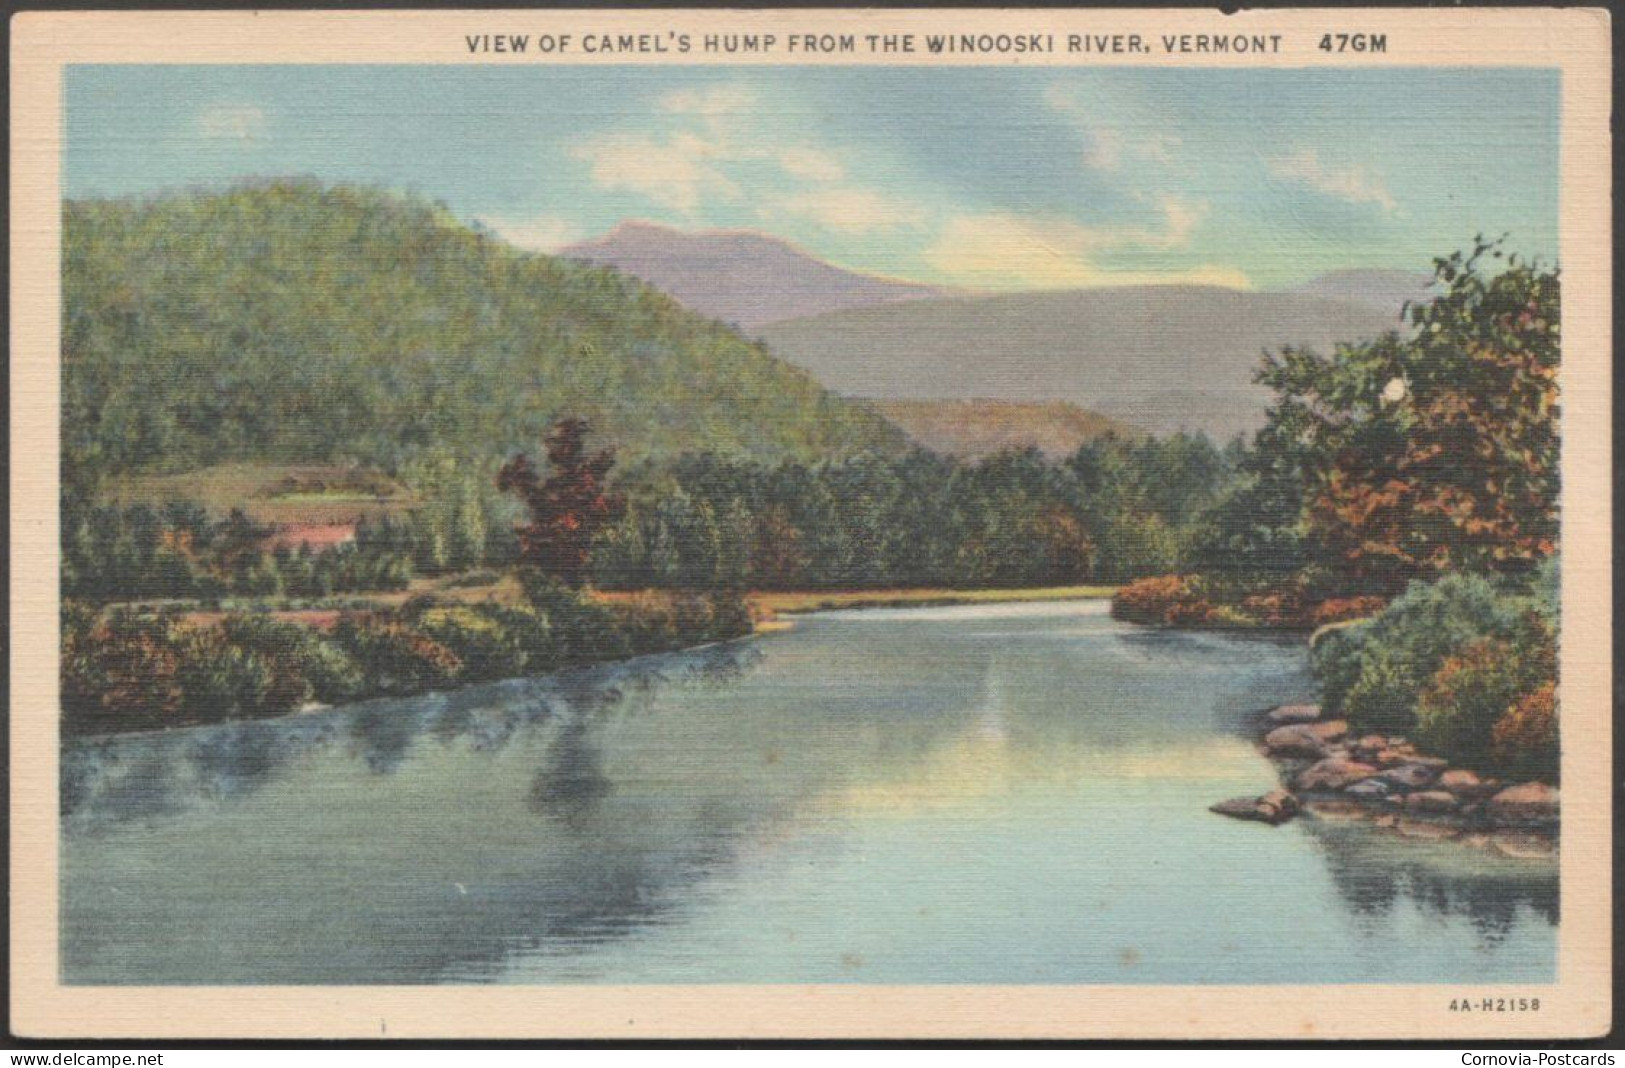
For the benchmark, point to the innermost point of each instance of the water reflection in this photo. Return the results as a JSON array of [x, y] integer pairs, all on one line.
[[999, 798], [1375, 871], [119, 779]]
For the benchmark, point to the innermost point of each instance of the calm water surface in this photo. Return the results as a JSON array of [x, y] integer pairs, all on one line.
[[997, 794]]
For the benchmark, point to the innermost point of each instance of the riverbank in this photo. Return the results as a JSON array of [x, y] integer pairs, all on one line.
[[768, 604], [125, 668], [1328, 774]]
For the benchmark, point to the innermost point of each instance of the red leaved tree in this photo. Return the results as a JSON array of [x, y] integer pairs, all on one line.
[[568, 508]]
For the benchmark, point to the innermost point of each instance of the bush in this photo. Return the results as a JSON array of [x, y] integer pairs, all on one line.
[[331, 674], [487, 649], [1465, 698], [1373, 672], [1524, 742], [584, 631], [395, 657], [1149, 600]]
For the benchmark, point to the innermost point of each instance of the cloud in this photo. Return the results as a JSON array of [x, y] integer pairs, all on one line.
[[539, 233], [855, 211], [675, 173], [811, 164], [241, 123], [1111, 144], [1000, 250], [1355, 185]]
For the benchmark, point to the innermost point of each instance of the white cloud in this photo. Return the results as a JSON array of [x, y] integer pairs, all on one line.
[[855, 211], [1111, 144], [539, 233], [675, 173], [242, 123], [811, 164], [1003, 251], [1355, 185]]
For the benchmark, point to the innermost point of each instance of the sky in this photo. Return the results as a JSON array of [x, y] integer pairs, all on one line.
[[995, 178]]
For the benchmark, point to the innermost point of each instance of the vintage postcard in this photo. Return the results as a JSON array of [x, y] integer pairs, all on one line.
[[552, 524]]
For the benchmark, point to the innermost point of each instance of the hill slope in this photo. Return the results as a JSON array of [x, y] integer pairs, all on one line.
[[1159, 357], [979, 427], [293, 322], [739, 276]]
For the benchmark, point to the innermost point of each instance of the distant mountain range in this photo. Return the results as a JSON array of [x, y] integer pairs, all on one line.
[[1163, 358], [741, 277], [973, 428]]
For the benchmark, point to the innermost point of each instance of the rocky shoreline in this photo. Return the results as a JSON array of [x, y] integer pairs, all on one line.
[[1328, 774]]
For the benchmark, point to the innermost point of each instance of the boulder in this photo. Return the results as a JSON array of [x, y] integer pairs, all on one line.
[[1523, 845], [1335, 809], [1369, 790], [1333, 730], [1426, 829], [1467, 785], [1412, 776], [1528, 803], [1294, 714], [1278, 806], [1275, 807], [1333, 773], [1431, 802], [1294, 740]]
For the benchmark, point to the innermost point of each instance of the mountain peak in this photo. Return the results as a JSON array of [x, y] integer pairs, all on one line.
[[740, 276]]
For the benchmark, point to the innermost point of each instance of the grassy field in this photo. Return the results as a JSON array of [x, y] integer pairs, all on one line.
[[274, 493]]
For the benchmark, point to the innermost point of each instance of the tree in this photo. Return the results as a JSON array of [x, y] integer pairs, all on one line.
[[1437, 451], [568, 509]]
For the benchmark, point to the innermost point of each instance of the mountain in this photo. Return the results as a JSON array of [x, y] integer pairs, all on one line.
[[1162, 358], [1384, 289], [979, 427], [292, 322], [739, 276]]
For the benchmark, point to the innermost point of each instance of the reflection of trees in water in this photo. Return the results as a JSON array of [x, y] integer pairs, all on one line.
[[119, 779], [1374, 870]]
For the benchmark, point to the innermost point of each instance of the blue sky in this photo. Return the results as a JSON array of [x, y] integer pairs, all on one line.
[[999, 178]]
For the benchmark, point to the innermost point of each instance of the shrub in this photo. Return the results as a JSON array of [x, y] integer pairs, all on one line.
[[1345, 609], [487, 649], [1373, 672], [584, 631], [1149, 600], [331, 674], [120, 669], [394, 656], [1461, 704], [1524, 742]]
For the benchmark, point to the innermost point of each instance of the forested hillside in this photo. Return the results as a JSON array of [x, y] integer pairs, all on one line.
[[297, 322]]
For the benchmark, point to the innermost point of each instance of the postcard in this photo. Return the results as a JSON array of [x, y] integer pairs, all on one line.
[[782, 524]]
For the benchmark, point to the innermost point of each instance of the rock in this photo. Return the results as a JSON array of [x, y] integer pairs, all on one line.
[[1369, 790], [1467, 785], [1398, 740], [1278, 806], [1295, 740], [1273, 808], [1333, 730], [1333, 773], [1391, 757], [1335, 809], [1412, 776], [1436, 802], [1294, 714], [1387, 821], [1374, 742], [1240, 808], [1528, 803], [1525, 846], [1426, 829]]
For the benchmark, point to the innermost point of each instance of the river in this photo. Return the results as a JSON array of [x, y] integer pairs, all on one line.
[[989, 794]]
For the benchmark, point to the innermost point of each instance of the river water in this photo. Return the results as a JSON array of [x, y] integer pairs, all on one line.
[[992, 794]]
